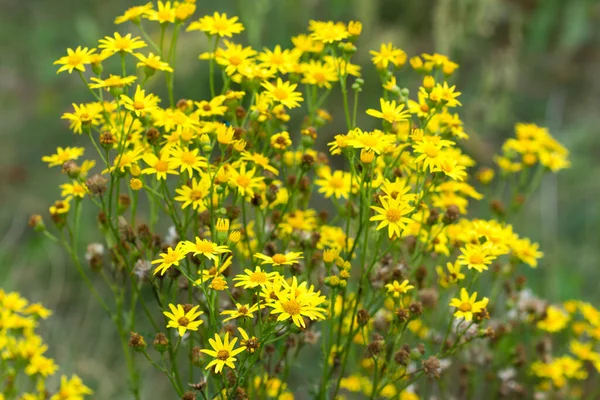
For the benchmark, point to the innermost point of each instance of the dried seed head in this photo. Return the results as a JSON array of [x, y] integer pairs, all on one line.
[[431, 367], [137, 341], [96, 185], [363, 317], [161, 343]]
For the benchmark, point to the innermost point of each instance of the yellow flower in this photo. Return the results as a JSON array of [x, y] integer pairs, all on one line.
[[244, 180], [195, 194], [111, 81], [61, 206], [75, 59], [234, 57], [445, 94], [242, 310], [396, 289], [319, 74], [338, 184], [387, 54], [223, 352], [118, 43], [211, 108], [218, 24], [140, 104], [206, 248], [296, 302], [283, 92], [277, 60], [187, 160], [554, 321], [281, 141], [41, 365], [152, 62], [392, 214], [252, 279], [135, 184], [182, 320], [63, 155], [327, 32], [375, 141], [71, 389], [280, 259], [260, 160], [159, 166], [134, 14], [165, 13], [467, 305], [75, 189], [390, 112], [475, 256], [85, 115], [170, 258]]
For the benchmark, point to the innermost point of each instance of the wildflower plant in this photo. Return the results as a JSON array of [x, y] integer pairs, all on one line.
[[25, 367], [219, 241]]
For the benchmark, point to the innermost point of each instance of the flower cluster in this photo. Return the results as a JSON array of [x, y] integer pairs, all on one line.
[[217, 217], [23, 354]]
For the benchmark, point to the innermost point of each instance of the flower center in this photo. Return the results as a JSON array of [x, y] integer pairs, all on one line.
[[465, 307], [476, 259], [243, 310], [336, 182], [393, 215], [235, 60], [279, 259], [183, 321], [138, 105], [243, 181], [161, 166], [188, 158], [280, 94], [258, 277], [432, 151], [222, 355], [291, 307], [204, 247], [319, 76], [220, 26], [196, 195], [277, 59]]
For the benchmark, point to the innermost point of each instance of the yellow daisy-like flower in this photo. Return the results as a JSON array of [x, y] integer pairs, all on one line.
[[218, 25], [159, 166], [327, 32], [283, 92], [387, 54], [223, 352], [391, 214], [196, 194], [375, 141], [83, 115], [277, 60], [140, 103], [71, 389], [296, 302], [555, 320], [252, 279], [260, 160], [396, 289], [61, 206], [476, 256], [187, 160], [118, 43], [215, 271], [183, 320], [75, 189], [206, 248], [338, 184], [165, 13], [134, 14], [281, 141], [111, 81], [63, 155], [319, 74], [390, 111], [241, 311], [244, 180], [467, 305], [75, 59], [41, 365], [234, 57], [445, 94], [280, 259], [152, 62], [211, 108], [170, 258]]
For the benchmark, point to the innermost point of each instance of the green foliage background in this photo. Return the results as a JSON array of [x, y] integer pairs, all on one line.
[[521, 60]]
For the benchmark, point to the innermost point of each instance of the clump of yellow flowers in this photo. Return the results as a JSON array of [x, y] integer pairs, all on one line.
[[24, 365], [265, 255]]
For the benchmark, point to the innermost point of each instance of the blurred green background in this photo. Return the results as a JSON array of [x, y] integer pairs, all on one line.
[[521, 60]]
